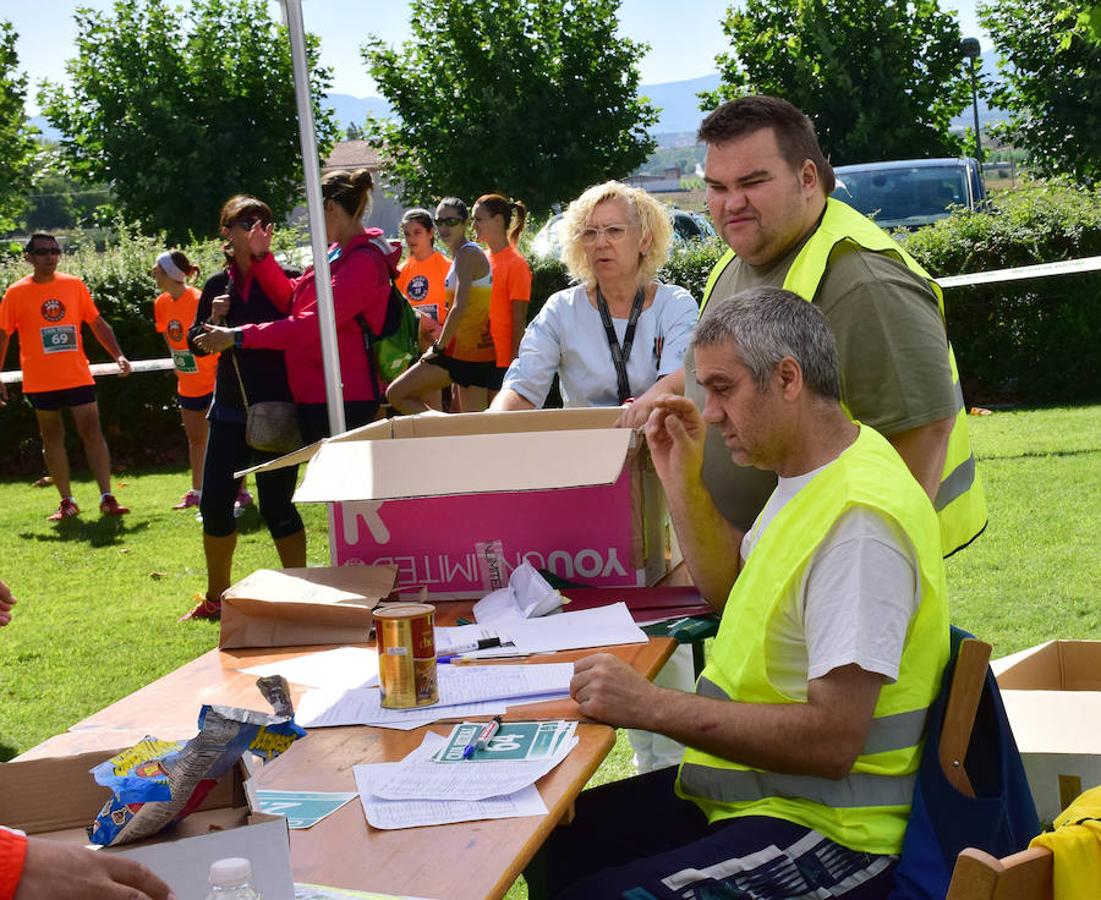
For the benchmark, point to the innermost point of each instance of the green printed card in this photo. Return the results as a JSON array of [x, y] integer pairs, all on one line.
[[513, 741], [302, 809]]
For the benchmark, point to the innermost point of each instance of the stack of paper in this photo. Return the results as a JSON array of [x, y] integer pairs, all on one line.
[[435, 784], [600, 627], [464, 691]]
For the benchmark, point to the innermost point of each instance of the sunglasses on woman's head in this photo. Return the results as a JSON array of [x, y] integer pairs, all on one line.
[[247, 223], [449, 222], [46, 251]]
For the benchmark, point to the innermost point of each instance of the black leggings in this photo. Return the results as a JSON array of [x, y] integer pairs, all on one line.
[[226, 453]]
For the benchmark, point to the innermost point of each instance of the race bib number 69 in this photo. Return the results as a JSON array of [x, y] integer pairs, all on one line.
[[59, 339]]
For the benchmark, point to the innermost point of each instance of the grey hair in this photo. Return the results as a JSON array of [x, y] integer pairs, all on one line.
[[767, 324]]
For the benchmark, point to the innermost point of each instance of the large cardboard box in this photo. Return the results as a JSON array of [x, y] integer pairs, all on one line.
[[1052, 695], [57, 798], [456, 502]]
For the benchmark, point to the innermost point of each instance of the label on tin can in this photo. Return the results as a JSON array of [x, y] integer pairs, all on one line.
[[407, 655]]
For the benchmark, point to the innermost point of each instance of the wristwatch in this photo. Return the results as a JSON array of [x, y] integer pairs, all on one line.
[[238, 339]]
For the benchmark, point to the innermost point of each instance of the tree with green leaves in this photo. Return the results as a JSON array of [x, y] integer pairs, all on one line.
[[1051, 84], [881, 79], [179, 109], [535, 99], [17, 146]]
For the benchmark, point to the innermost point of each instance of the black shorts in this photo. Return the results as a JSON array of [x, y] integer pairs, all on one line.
[[196, 404], [52, 401], [470, 374]]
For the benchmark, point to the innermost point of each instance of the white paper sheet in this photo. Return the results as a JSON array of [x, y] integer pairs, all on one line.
[[467, 683], [390, 814], [600, 627], [448, 636], [345, 667], [419, 777], [363, 706], [464, 691]]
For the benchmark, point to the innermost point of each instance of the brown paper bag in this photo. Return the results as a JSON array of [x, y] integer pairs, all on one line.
[[290, 607]]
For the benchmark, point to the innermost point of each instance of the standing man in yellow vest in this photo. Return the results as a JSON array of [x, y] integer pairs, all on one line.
[[768, 185], [804, 732]]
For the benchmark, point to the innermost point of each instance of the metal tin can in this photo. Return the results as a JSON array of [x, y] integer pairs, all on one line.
[[406, 655]]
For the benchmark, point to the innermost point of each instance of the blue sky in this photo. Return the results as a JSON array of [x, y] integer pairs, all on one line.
[[682, 46]]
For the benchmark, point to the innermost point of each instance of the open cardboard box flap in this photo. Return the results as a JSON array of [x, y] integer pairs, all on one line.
[[1053, 666], [472, 453]]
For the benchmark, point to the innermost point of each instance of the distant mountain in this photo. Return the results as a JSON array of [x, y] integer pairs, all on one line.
[[354, 110], [49, 133], [680, 107], [988, 115]]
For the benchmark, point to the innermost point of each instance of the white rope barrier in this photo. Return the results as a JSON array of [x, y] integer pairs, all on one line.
[[1041, 270]]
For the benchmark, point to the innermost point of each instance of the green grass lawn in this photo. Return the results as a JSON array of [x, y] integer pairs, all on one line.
[[99, 598]]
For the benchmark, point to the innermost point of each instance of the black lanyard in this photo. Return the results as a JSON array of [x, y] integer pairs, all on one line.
[[620, 355]]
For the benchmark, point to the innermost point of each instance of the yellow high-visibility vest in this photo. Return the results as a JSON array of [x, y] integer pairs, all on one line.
[[960, 502], [867, 809]]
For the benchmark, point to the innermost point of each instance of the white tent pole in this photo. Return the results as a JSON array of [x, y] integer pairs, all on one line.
[[311, 168]]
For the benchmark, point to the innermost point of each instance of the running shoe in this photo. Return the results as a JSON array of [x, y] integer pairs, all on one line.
[[244, 500], [204, 609], [109, 506], [188, 500], [66, 510]]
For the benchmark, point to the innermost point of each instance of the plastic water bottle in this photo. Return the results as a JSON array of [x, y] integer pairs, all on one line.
[[231, 879]]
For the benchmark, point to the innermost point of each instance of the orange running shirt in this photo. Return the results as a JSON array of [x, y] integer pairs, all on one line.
[[194, 374], [422, 282], [511, 281], [48, 318]]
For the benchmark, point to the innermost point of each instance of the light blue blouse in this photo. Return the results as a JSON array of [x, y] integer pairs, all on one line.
[[568, 337]]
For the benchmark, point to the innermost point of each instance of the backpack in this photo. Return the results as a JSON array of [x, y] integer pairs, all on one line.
[[396, 346]]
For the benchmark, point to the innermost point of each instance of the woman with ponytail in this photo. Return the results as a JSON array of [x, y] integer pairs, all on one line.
[[173, 313], [361, 263], [498, 223]]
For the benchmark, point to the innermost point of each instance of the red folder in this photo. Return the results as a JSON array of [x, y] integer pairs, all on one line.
[[650, 604]]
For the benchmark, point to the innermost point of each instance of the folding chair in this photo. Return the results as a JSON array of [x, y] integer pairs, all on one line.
[[971, 788], [1027, 875]]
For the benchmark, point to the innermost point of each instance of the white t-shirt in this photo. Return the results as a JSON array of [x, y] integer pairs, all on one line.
[[568, 338], [853, 604]]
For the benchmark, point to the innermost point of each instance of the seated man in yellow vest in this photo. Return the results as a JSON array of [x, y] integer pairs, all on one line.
[[768, 191], [804, 732]]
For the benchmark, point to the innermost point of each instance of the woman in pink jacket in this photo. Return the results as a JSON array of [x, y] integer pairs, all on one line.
[[361, 263]]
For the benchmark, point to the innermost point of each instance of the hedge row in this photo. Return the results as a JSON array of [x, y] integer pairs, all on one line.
[[1034, 340], [1021, 341]]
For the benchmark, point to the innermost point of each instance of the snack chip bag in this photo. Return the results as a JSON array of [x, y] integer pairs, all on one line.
[[157, 782]]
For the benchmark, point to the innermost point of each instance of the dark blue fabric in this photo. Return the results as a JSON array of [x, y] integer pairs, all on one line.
[[1001, 818]]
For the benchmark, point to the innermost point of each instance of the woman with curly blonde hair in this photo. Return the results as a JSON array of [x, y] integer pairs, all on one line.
[[619, 330]]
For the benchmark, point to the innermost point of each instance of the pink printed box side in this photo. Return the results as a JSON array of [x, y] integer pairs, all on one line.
[[462, 546]]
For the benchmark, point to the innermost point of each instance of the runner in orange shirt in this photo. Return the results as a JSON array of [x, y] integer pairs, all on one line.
[[48, 308], [422, 275], [498, 223], [174, 313]]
